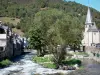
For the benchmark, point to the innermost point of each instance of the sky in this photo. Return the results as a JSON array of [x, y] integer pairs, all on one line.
[[92, 3]]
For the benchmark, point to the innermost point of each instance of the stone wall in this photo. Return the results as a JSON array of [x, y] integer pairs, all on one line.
[[8, 50], [18, 46], [93, 52], [14, 46]]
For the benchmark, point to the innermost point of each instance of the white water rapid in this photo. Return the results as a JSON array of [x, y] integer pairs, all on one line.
[[23, 65]]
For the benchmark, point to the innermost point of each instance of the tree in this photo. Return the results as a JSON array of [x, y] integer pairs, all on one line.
[[52, 28], [36, 40]]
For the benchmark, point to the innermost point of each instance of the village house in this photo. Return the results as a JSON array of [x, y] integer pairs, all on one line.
[[11, 44]]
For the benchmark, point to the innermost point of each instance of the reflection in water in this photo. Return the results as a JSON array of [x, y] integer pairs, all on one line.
[[90, 68]]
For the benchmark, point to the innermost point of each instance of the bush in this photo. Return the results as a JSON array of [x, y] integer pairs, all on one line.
[[72, 62], [59, 54], [49, 65], [5, 63]]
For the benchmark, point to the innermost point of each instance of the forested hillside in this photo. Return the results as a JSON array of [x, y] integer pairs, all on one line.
[[49, 19], [27, 8]]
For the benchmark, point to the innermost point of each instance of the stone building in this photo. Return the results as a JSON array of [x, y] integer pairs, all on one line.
[[10, 44]]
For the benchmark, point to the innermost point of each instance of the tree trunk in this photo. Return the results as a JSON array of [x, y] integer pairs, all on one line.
[[74, 48], [38, 52]]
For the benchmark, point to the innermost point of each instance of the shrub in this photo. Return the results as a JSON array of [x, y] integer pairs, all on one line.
[[59, 55], [5, 63], [72, 62]]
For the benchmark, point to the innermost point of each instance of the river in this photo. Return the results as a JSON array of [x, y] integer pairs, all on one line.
[[23, 65], [91, 67]]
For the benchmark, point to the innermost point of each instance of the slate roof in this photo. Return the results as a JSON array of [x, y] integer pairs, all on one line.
[[4, 27], [93, 29], [89, 22]]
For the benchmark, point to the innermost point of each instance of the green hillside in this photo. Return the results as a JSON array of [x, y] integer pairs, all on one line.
[[33, 1], [13, 21], [27, 8]]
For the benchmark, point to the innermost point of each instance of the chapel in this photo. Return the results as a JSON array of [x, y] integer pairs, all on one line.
[[91, 34]]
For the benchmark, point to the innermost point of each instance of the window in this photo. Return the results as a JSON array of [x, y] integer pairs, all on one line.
[[2, 31], [94, 54], [89, 25], [94, 33], [1, 49]]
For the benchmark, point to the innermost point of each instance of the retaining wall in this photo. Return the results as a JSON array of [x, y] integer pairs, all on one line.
[[94, 53]]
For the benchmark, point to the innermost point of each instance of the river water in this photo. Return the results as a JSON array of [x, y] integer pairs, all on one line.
[[91, 67], [23, 65]]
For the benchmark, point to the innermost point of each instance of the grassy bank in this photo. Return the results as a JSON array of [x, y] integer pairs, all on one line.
[[5, 63], [45, 61], [48, 63], [14, 21]]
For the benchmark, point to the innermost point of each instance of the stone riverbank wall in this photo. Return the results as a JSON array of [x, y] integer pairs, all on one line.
[[94, 53]]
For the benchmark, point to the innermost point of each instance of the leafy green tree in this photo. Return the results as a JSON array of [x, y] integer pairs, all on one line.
[[37, 41], [52, 28]]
